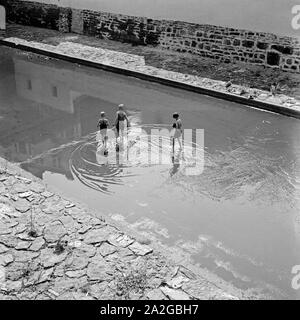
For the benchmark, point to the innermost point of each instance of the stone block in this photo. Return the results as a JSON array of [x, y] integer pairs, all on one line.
[[273, 59]]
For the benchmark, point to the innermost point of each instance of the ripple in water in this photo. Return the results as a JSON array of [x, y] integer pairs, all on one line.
[[88, 163]]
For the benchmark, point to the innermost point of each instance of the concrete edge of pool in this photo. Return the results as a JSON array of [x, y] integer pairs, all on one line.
[[287, 111], [70, 247]]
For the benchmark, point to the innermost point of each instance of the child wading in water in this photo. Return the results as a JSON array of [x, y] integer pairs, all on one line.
[[177, 135], [103, 125], [121, 123]]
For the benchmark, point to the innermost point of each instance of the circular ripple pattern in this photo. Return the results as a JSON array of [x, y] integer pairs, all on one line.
[[92, 168]]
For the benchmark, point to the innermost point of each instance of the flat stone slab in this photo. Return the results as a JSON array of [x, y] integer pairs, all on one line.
[[3, 248], [98, 269], [37, 187], [204, 290], [120, 240], [156, 294], [6, 259], [24, 195], [50, 259], [99, 235], [106, 249], [70, 205], [47, 194], [77, 262], [37, 244], [7, 210], [8, 240], [84, 229], [44, 276], [50, 207], [177, 282], [86, 249], [23, 245], [19, 188], [54, 231], [22, 205], [76, 274], [139, 249], [25, 180], [173, 294], [21, 228], [25, 256]]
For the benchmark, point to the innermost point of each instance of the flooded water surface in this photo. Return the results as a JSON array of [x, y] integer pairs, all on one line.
[[239, 218]]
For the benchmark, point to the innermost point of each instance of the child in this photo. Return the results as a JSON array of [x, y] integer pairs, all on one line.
[[177, 125], [103, 125], [121, 122]]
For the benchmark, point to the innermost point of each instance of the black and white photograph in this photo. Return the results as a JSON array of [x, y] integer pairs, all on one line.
[[149, 151]]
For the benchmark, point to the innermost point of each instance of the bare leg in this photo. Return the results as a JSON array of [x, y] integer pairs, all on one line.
[[122, 137], [180, 143], [117, 136], [173, 145]]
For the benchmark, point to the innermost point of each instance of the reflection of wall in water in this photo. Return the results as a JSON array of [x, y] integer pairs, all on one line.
[[54, 86], [40, 126], [44, 85], [73, 82], [61, 87], [58, 163], [31, 143], [2, 19]]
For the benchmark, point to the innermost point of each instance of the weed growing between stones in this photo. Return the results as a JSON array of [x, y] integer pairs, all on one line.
[[26, 271], [32, 230], [59, 247], [133, 282], [25, 274]]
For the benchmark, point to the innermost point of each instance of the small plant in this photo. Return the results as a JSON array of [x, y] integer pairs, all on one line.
[[26, 272], [85, 289], [32, 230], [32, 233], [59, 247], [243, 92], [133, 282]]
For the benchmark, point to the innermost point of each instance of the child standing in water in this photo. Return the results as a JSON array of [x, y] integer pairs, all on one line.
[[103, 125], [121, 122], [177, 135]]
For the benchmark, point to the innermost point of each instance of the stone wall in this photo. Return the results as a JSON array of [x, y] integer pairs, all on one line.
[[232, 45], [135, 30], [221, 43], [38, 15]]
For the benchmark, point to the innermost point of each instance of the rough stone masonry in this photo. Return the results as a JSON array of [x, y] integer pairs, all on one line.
[[220, 43]]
